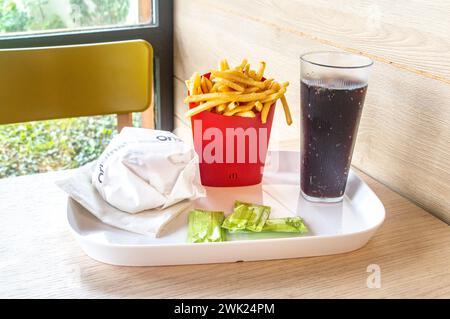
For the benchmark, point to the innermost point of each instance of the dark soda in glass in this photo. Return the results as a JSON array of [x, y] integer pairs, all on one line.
[[330, 113]]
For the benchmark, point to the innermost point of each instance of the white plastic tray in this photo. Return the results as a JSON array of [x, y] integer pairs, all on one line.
[[334, 228]]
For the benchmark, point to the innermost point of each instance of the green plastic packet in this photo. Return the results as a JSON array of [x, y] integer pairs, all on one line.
[[247, 216], [285, 225], [205, 226]]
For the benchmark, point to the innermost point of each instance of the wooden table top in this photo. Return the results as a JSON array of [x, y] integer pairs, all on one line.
[[40, 258]]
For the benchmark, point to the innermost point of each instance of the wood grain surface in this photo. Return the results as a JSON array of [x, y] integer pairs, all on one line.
[[40, 258], [412, 35], [404, 135]]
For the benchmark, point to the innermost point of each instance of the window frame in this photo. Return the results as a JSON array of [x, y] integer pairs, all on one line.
[[159, 34]]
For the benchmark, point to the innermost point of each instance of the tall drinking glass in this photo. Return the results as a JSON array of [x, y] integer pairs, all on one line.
[[333, 88]]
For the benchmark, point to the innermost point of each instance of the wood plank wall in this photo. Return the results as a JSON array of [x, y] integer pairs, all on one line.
[[404, 135]]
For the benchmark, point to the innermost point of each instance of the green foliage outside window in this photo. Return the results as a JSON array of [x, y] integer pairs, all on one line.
[[51, 145], [58, 144], [12, 19], [103, 12]]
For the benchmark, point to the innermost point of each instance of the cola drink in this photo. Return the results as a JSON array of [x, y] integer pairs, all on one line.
[[330, 114]]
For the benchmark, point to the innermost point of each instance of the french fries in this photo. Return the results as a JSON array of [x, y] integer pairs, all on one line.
[[204, 107], [238, 91], [230, 84], [246, 114], [258, 106], [223, 65], [262, 67], [287, 112]]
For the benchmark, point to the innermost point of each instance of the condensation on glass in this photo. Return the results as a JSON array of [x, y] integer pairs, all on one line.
[[332, 93], [37, 16]]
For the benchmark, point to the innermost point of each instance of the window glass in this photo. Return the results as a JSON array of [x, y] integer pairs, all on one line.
[[34, 16], [37, 147]]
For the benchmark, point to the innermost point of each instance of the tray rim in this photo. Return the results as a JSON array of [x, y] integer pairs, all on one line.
[[69, 215], [231, 242]]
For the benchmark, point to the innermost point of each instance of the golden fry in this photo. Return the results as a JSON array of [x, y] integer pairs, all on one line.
[[287, 112], [258, 106], [252, 89], [253, 96], [214, 88], [223, 65], [265, 112], [238, 77], [243, 108], [275, 86], [260, 73], [242, 65], [208, 84], [229, 83], [231, 96], [268, 83], [203, 107], [252, 74], [274, 96], [204, 86], [226, 96], [220, 108], [231, 106], [196, 83], [225, 89], [251, 103], [247, 68], [246, 114], [188, 85]]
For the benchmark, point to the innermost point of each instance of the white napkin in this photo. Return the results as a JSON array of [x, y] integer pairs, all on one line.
[[143, 169], [150, 222]]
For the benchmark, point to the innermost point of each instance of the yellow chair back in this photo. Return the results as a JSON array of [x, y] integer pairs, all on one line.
[[76, 80]]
